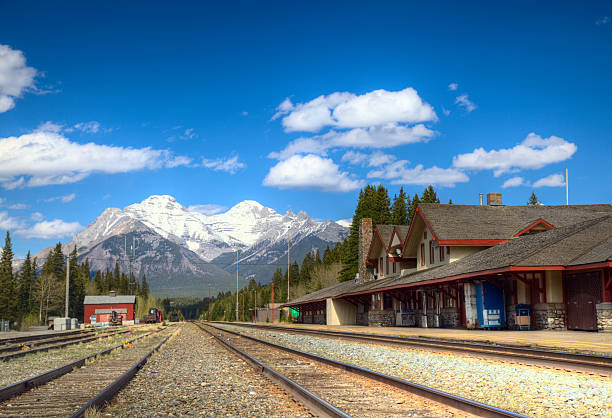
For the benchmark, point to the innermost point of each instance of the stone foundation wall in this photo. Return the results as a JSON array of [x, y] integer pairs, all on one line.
[[604, 316], [550, 316], [381, 318], [449, 318], [319, 319], [422, 320], [307, 319], [362, 318]]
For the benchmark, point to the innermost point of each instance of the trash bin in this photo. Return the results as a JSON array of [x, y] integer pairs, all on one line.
[[522, 315]]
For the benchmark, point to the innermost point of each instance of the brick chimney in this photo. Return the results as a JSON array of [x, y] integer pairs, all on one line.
[[366, 233], [112, 293], [494, 199]]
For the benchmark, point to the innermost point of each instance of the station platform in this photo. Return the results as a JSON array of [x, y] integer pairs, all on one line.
[[571, 341]]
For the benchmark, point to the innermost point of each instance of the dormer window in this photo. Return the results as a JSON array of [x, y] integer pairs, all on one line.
[[424, 234]]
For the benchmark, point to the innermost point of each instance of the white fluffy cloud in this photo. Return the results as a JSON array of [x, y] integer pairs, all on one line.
[[310, 172], [465, 102], [554, 180], [515, 182], [453, 86], [229, 165], [385, 136], [56, 228], [8, 223], [47, 157], [347, 110], [375, 159], [36, 216], [15, 77], [16, 206], [533, 153], [399, 173], [207, 209]]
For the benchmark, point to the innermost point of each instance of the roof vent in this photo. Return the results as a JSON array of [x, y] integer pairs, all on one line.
[[494, 199]]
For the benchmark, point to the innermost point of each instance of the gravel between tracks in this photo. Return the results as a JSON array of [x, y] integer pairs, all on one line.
[[20, 368], [194, 376], [524, 389]]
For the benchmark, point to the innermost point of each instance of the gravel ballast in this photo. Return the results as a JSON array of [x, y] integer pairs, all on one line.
[[193, 376], [529, 390]]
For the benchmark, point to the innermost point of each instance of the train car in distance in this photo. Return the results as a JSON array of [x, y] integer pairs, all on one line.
[[153, 317]]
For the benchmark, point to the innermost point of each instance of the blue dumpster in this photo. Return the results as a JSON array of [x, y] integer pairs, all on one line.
[[490, 305]]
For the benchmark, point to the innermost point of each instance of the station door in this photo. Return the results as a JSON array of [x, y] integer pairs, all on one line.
[[583, 293]]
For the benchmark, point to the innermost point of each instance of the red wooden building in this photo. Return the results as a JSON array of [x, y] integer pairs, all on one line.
[[100, 308]]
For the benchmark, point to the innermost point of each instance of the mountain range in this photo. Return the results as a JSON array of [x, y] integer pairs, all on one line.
[[186, 253]]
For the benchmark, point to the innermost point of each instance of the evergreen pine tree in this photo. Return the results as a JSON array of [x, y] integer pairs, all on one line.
[[144, 287], [26, 281], [7, 282], [77, 287], [116, 283], [55, 263], [413, 206], [382, 204], [123, 285], [399, 210], [99, 282], [429, 195], [533, 199]]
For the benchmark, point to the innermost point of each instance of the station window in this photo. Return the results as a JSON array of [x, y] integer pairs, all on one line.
[[422, 254], [441, 253], [431, 253], [424, 234], [394, 267]]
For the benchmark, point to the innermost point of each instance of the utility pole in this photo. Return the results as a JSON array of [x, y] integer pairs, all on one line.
[[209, 302], [236, 285], [288, 267], [272, 302], [255, 305], [68, 279]]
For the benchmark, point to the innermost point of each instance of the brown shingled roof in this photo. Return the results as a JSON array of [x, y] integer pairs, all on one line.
[[476, 222]]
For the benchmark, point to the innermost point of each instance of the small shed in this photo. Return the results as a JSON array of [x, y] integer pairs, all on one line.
[[100, 308]]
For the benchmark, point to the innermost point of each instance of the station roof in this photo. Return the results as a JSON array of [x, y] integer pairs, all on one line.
[[480, 222], [328, 292], [109, 300], [586, 242]]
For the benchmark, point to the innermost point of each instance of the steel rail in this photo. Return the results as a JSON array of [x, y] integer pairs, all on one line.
[[56, 338], [554, 358], [457, 402], [34, 337], [17, 388], [111, 390], [314, 403], [88, 338]]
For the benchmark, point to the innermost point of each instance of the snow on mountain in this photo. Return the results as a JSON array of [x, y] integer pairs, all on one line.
[[345, 222], [248, 224]]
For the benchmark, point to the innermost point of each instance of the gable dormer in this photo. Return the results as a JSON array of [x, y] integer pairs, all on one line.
[[539, 225]]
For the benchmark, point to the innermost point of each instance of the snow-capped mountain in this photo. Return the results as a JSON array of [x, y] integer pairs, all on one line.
[[243, 226], [259, 234]]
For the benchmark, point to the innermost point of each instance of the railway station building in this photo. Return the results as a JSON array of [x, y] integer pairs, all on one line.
[[478, 266], [98, 309]]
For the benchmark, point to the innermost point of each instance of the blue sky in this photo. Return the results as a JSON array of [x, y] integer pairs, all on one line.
[[296, 105]]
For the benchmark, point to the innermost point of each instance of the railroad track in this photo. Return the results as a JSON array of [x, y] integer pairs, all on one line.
[[547, 358], [332, 388], [72, 389], [22, 349]]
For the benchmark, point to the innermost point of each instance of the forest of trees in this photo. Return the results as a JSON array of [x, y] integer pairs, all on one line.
[[35, 292]]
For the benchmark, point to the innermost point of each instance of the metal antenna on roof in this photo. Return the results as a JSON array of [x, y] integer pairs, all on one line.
[[566, 189]]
